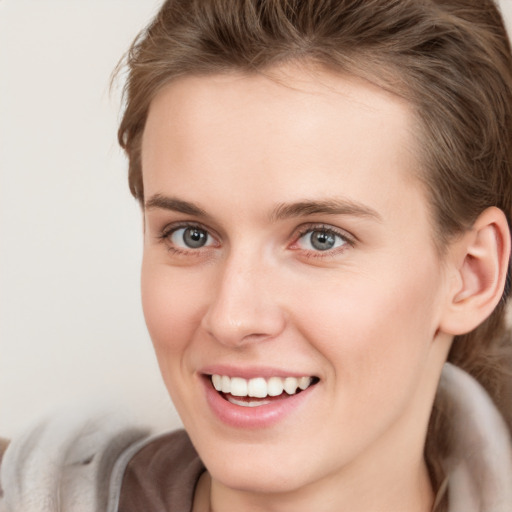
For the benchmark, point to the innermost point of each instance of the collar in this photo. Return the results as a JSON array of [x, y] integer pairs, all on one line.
[[479, 467]]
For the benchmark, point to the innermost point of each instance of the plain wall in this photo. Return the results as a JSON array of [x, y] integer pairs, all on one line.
[[71, 326]]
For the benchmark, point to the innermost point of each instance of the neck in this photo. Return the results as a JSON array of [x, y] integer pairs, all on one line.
[[340, 493]]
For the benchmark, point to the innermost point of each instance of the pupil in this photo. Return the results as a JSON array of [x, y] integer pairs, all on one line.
[[322, 241], [194, 237]]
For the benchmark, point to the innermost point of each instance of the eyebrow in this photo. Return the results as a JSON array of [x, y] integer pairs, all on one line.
[[325, 207], [174, 204], [280, 212]]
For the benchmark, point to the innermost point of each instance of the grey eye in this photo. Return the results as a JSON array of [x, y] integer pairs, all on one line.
[[321, 240], [190, 238], [195, 238]]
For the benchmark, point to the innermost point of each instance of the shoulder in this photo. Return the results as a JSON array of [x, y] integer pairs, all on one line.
[[4, 443], [479, 462], [64, 463], [161, 474]]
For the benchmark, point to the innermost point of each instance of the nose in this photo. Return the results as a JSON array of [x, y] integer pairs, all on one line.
[[244, 306]]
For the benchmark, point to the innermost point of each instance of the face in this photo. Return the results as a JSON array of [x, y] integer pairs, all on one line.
[[288, 246]]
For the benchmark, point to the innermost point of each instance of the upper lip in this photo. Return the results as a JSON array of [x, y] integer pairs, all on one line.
[[251, 372]]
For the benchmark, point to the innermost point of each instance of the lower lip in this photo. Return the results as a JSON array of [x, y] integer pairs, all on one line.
[[253, 417]]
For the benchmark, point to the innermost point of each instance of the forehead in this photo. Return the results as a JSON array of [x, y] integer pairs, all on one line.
[[303, 95], [296, 131]]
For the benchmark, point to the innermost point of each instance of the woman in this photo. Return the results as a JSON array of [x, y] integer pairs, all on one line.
[[327, 200]]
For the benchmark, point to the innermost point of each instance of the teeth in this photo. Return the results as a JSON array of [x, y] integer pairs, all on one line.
[[217, 382], [250, 403], [238, 386], [290, 385], [304, 382], [275, 386], [258, 387], [225, 384]]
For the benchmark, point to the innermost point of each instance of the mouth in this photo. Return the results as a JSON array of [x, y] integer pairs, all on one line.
[[259, 391]]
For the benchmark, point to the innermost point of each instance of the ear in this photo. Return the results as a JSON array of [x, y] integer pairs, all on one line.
[[477, 265]]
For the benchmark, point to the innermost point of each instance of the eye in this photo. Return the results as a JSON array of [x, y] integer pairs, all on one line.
[[320, 239], [190, 237]]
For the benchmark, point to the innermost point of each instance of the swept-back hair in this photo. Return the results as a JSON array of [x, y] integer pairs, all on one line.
[[450, 59]]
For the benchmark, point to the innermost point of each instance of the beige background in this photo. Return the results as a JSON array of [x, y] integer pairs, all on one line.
[[71, 327]]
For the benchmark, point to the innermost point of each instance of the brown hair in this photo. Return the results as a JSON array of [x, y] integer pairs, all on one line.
[[450, 59]]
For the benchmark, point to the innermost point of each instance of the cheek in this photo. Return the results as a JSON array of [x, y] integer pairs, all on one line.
[[171, 307], [375, 331]]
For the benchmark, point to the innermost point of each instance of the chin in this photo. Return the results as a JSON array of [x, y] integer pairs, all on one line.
[[260, 479], [259, 468]]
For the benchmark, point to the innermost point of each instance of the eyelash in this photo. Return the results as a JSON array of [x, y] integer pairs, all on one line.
[[327, 229], [169, 230], [348, 240]]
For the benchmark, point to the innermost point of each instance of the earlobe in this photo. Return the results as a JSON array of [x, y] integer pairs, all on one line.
[[479, 261]]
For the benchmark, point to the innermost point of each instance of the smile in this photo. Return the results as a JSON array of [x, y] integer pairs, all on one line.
[[238, 390], [258, 399]]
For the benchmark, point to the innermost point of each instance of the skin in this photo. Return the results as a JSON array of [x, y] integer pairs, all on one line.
[[364, 317]]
